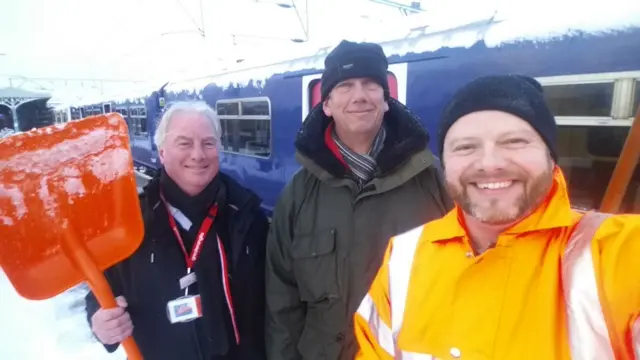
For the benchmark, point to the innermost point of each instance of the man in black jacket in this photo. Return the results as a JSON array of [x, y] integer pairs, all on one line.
[[204, 237]]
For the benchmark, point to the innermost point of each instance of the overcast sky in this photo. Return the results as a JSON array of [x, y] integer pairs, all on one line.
[[141, 38], [158, 40]]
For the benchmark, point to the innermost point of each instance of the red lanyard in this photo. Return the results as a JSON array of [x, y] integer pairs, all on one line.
[[195, 253], [202, 234]]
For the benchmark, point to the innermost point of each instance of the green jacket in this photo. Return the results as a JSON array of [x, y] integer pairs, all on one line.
[[327, 237]]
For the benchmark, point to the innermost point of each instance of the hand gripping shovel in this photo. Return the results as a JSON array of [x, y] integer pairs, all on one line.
[[68, 208]]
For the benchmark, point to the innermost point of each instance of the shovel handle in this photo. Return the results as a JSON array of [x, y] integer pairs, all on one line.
[[77, 252]]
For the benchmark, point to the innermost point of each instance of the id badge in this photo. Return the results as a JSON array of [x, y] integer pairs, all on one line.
[[184, 309]]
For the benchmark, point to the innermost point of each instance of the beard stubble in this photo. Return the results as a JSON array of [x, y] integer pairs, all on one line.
[[535, 189]]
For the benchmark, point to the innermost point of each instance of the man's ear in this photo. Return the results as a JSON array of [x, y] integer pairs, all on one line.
[[325, 108], [161, 155]]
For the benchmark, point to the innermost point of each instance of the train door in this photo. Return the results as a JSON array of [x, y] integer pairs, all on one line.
[[594, 113], [396, 75]]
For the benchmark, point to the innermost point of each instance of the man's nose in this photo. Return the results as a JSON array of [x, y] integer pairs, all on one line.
[[359, 93], [491, 159], [197, 153]]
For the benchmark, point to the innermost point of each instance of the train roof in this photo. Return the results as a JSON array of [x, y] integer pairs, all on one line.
[[505, 25]]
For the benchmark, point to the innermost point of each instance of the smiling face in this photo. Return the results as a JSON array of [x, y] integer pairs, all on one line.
[[190, 152], [357, 106], [497, 167]]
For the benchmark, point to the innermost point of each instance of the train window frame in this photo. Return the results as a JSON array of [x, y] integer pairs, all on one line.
[[634, 89], [620, 101], [75, 113], [240, 117], [139, 120], [579, 146]]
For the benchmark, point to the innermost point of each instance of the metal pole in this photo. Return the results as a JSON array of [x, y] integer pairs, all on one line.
[[14, 114], [624, 169]]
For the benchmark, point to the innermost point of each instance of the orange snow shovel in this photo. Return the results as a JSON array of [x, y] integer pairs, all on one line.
[[68, 208]]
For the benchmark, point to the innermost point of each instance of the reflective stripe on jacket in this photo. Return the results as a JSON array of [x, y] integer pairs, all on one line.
[[558, 285]]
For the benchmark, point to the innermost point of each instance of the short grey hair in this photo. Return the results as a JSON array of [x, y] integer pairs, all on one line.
[[199, 107]]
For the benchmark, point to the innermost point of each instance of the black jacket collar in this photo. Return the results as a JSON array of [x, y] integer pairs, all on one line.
[[194, 207], [237, 196], [405, 137]]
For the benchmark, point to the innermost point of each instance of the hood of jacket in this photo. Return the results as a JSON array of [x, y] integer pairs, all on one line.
[[405, 138]]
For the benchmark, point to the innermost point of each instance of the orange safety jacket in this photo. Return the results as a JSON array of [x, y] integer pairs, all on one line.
[[557, 285]]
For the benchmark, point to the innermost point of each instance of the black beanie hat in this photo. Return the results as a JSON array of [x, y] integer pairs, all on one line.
[[519, 95], [351, 60]]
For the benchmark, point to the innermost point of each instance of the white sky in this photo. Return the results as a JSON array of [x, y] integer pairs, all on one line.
[[146, 39], [123, 38]]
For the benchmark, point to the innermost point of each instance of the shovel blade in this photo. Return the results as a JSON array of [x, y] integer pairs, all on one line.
[[74, 178]]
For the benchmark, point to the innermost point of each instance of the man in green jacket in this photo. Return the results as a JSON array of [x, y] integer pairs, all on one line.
[[366, 175]]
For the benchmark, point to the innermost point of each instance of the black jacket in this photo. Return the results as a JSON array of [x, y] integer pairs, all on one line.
[[148, 285]]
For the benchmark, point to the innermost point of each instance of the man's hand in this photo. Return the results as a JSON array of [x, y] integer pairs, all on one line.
[[112, 326]]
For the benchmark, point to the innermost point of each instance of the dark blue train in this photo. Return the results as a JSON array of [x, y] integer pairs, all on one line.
[[591, 80]]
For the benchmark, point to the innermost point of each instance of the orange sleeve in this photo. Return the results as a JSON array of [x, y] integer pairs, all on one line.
[[617, 263], [373, 318]]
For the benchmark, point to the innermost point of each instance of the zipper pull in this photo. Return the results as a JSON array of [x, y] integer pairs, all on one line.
[[152, 257]]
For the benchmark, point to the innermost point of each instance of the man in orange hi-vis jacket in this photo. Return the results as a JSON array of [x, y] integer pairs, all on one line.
[[512, 272]]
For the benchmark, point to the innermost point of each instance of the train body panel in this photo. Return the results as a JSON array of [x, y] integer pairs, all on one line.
[[432, 83], [591, 81]]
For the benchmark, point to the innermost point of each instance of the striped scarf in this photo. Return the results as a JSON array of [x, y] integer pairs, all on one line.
[[362, 166]]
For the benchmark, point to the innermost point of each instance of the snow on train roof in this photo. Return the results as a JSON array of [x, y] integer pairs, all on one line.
[[125, 93], [512, 22]]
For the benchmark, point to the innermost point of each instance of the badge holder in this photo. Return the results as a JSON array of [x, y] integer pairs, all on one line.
[[186, 308]]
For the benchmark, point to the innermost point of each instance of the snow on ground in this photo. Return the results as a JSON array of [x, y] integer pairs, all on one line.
[[54, 329], [5, 132]]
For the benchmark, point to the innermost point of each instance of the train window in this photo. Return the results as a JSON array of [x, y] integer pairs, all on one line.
[[75, 113], [259, 108], [592, 99], [138, 120], [228, 108], [94, 110], [316, 95], [636, 101], [246, 126], [588, 156], [107, 108]]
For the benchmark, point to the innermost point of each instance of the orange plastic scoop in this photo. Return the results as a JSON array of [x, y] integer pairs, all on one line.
[[68, 208]]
